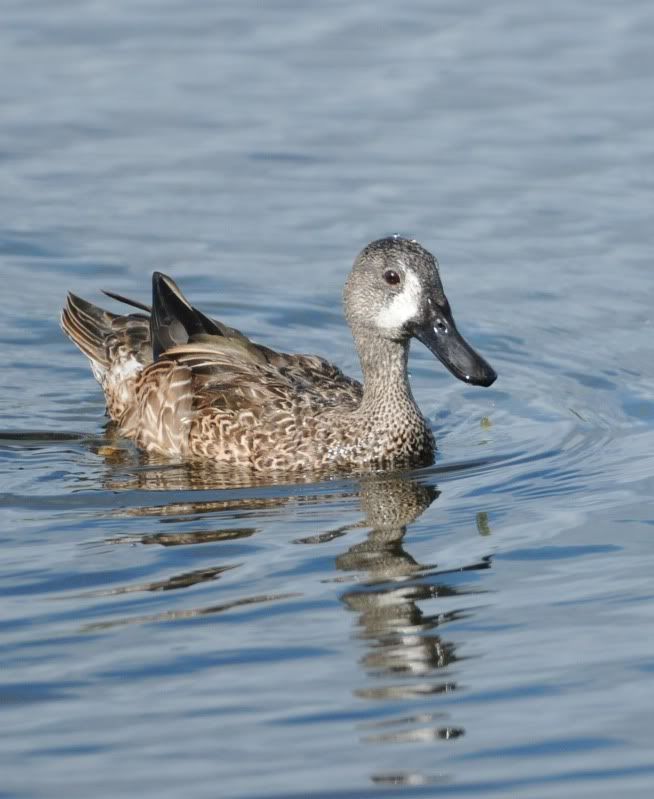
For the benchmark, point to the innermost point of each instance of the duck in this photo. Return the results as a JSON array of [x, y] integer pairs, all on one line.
[[184, 386]]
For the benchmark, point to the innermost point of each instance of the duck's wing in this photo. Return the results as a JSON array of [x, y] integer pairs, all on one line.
[[232, 372], [319, 376], [230, 375], [174, 321]]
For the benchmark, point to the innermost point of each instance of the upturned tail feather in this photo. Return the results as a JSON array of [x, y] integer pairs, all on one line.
[[89, 327]]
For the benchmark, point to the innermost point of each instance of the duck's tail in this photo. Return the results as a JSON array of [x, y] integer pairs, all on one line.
[[88, 327], [118, 347]]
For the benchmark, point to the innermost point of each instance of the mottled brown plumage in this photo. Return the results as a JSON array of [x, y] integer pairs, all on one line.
[[182, 385]]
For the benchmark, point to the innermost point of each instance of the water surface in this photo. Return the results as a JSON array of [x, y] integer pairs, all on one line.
[[480, 627]]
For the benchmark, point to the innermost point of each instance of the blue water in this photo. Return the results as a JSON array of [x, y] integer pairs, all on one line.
[[481, 627]]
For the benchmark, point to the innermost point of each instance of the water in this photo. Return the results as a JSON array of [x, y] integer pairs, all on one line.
[[477, 628]]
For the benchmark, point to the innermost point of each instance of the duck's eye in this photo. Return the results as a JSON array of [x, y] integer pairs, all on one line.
[[391, 277]]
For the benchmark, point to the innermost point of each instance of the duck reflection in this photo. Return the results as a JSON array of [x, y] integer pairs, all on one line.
[[389, 506], [402, 605], [402, 640], [130, 470]]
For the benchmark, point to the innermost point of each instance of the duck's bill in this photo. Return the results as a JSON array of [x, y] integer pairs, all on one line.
[[448, 345]]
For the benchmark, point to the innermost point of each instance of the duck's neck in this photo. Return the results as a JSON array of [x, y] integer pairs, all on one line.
[[385, 377]]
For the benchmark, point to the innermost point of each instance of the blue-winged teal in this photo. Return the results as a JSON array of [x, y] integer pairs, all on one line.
[[180, 384]]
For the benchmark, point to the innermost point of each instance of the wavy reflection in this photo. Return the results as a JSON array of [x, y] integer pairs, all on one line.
[[192, 613], [177, 581], [402, 605], [403, 641], [185, 539]]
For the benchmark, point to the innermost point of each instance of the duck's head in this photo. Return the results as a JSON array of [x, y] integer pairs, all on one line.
[[394, 292]]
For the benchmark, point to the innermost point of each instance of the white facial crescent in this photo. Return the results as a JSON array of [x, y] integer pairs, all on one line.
[[404, 306]]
